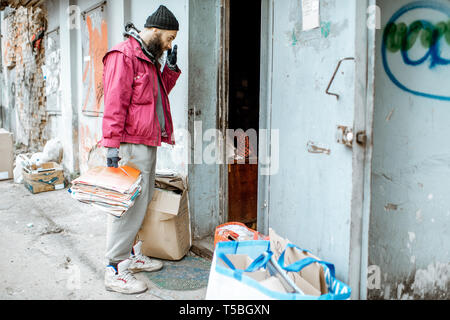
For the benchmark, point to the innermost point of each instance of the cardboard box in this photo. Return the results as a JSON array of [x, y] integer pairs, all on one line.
[[166, 231], [48, 177], [7, 155]]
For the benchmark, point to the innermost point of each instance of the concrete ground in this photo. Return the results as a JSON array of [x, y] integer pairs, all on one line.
[[52, 248]]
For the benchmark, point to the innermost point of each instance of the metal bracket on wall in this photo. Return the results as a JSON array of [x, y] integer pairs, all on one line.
[[334, 76], [95, 6]]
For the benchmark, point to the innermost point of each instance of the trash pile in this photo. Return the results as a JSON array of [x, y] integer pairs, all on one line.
[[236, 231], [268, 268], [113, 190], [52, 153], [41, 171]]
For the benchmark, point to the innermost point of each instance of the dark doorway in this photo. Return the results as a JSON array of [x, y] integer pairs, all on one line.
[[243, 112]]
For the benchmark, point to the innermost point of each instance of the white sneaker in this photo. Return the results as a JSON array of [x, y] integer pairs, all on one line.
[[140, 263], [123, 281]]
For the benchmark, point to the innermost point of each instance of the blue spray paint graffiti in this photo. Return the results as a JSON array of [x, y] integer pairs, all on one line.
[[433, 35]]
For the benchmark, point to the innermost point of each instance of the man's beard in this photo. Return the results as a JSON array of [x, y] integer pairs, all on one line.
[[155, 47]]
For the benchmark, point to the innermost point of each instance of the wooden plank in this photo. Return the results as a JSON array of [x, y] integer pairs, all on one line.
[[242, 193]]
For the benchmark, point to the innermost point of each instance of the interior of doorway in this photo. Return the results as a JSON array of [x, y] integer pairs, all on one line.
[[243, 107]]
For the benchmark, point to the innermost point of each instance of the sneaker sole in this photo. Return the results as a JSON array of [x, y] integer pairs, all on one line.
[[111, 289], [137, 270]]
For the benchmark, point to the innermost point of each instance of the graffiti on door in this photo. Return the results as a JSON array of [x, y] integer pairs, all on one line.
[[416, 49]]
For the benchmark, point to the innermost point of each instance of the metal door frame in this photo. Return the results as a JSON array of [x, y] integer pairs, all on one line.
[[223, 104], [362, 155], [265, 113]]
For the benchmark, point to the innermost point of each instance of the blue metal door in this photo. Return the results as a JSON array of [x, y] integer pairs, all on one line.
[[315, 101]]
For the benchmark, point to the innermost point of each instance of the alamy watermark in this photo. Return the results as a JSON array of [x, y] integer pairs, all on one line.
[[74, 17], [373, 277], [214, 147], [374, 17]]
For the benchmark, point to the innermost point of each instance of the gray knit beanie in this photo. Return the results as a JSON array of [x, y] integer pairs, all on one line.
[[162, 18]]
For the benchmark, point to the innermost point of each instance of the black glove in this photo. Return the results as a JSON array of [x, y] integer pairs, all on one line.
[[172, 57], [112, 158]]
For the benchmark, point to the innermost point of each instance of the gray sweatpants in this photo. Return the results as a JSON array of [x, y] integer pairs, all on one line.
[[121, 232]]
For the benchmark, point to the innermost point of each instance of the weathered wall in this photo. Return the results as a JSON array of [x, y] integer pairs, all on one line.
[[409, 238], [52, 69], [22, 69]]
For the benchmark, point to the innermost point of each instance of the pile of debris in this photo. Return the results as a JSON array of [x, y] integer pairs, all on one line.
[[41, 171]]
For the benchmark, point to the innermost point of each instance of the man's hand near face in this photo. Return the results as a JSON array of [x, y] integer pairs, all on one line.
[[172, 57]]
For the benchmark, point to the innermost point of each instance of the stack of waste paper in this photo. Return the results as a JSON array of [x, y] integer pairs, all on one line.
[[113, 190]]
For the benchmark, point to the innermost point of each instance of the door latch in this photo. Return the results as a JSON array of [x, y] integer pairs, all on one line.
[[345, 136]]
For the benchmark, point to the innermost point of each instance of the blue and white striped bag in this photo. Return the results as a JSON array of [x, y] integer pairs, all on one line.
[[228, 283]]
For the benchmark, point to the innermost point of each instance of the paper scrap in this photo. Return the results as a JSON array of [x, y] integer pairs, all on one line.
[[311, 15]]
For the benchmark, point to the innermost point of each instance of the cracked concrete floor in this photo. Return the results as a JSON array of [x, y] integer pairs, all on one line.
[[52, 249]]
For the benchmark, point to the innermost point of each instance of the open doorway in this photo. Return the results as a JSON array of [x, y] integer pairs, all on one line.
[[243, 107]]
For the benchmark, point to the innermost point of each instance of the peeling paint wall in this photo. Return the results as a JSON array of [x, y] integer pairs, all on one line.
[[410, 218], [52, 69], [22, 71]]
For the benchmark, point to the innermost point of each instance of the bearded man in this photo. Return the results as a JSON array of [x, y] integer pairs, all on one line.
[[137, 119]]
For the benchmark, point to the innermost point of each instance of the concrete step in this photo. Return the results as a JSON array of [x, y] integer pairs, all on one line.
[[204, 247]]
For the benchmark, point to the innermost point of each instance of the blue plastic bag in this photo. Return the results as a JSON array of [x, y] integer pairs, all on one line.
[[228, 283]]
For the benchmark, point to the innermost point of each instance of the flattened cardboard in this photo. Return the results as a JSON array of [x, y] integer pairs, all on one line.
[[311, 280], [166, 202], [165, 232], [243, 261], [7, 155]]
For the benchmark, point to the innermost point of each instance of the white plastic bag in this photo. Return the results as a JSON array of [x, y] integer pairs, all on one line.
[[38, 159], [22, 161], [53, 151]]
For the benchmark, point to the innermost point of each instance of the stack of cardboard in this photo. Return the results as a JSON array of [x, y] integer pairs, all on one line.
[[113, 190]]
